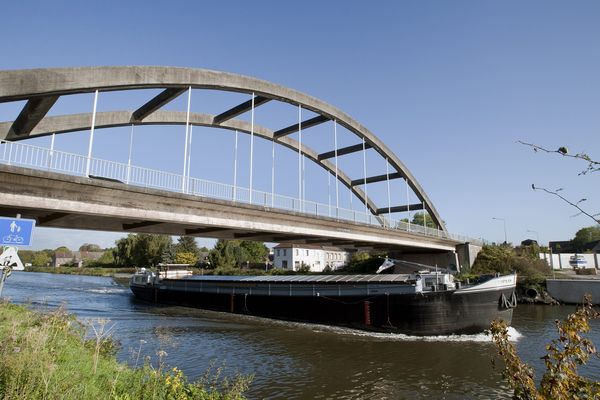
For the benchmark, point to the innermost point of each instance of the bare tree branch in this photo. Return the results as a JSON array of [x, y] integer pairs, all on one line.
[[593, 166], [576, 205]]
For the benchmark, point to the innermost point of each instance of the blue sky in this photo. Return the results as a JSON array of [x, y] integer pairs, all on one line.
[[448, 86]]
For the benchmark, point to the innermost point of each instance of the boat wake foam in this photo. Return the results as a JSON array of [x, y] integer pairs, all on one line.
[[513, 334], [107, 290]]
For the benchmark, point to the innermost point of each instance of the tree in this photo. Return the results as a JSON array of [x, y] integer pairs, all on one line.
[[62, 249], [492, 259], [40, 259], [418, 220], [187, 244], [149, 249], [168, 255], [256, 252], [360, 256], [89, 247], [141, 250], [363, 262], [27, 256], [233, 253], [107, 258], [222, 255], [185, 257], [186, 251], [592, 166], [585, 236], [123, 249]]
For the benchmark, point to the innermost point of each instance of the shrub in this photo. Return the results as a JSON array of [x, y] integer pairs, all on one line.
[[47, 356], [504, 260], [561, 380]]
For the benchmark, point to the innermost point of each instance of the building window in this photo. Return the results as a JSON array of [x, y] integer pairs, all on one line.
[[284, 252], [284, 263], [307, 253], [277, 252], [297, 252]]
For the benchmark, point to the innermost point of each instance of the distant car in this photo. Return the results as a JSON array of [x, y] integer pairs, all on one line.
[[577, 261], [27, 264]]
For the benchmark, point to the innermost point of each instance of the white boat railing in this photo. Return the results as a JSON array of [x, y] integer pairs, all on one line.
[[41, 158]]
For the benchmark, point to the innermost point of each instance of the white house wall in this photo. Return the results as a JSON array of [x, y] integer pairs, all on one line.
[[316, 259]]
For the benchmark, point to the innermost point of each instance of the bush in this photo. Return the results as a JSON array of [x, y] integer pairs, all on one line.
[[236, 271], [47, 356], [561, 380], [504, 260], [303, 269], [363, 265]]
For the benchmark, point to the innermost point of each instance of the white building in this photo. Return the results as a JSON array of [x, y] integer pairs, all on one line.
[[317, 258]]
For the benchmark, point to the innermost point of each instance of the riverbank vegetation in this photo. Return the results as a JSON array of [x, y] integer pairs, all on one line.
[[47, 356], [505, 259], [561, 380]]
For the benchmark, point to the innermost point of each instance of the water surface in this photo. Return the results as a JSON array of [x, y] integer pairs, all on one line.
[[291, 360]]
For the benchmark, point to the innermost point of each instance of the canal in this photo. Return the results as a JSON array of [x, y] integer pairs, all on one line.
[[290, 360]]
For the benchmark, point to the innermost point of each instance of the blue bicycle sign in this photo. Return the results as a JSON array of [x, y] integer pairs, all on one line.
[[16, 231]]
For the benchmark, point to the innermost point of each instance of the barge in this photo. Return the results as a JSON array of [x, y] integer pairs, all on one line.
[[422, 303]]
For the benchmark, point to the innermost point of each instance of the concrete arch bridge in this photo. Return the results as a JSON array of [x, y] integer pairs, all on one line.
[[62, 189]]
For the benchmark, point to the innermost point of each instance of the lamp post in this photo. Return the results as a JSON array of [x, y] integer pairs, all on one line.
[[504, 222]]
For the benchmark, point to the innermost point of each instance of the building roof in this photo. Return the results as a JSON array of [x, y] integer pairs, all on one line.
[[529, 242]]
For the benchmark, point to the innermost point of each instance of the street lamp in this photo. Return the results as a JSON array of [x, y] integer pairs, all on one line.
[[504, 221], [536, 234]]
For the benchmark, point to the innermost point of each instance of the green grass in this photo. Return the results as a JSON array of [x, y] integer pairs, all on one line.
[[47, 356]]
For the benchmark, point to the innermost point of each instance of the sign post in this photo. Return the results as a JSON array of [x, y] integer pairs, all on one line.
[[13, 232]]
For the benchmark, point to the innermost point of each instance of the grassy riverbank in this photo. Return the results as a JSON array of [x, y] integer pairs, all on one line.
[[46, 356]]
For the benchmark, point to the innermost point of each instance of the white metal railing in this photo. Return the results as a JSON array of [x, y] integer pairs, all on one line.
[[20, 154]]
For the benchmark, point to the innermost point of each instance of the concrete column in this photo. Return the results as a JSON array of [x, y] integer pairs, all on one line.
[[456, 261], [559, 261]]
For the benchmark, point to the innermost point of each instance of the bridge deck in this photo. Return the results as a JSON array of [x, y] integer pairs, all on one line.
[[64, 201]]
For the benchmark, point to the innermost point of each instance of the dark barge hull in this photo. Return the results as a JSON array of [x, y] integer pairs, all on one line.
[[423, 314]]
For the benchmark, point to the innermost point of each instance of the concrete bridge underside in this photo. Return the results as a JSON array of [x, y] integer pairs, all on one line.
[[62, 201]]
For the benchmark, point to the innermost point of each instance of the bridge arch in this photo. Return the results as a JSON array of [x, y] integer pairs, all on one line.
[[41, 88]]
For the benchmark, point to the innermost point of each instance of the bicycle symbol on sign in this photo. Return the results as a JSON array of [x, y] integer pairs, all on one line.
[[13, 237]]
